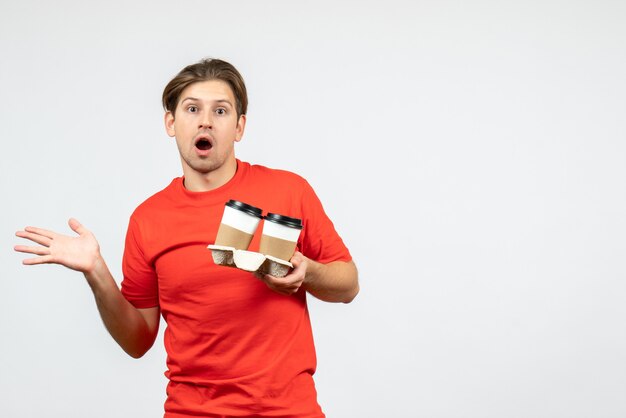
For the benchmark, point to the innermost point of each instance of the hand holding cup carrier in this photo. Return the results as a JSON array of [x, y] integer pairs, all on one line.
[[238, 225]]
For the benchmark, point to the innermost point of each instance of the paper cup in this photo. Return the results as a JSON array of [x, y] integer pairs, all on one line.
[[280, 236], [239, 222]]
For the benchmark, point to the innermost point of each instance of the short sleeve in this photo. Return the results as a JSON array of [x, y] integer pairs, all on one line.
[[140, 285], [319, 240]]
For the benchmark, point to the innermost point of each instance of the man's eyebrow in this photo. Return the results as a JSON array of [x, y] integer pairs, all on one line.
[[216, 101], [224, 101]]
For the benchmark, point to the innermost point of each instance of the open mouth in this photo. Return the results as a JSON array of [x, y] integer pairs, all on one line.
[[203, 144]]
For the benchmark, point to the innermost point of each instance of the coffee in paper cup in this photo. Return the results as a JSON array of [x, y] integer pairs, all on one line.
[[280, 236], [239, 222]]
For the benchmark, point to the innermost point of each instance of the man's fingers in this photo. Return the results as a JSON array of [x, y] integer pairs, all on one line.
[[32, 250], [39, 231], [39, 260], [39, 239], [76, 226], [286, 285], [283, 290]]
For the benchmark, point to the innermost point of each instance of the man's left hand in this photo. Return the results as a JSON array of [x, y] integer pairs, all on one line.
[[289, 284]]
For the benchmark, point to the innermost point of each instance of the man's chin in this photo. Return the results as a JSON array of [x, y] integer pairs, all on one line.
[[201, 165], [205, 168], [206, 165]]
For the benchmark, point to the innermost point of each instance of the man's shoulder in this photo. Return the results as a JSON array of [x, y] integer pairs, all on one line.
[[158, 200], [262, 172]]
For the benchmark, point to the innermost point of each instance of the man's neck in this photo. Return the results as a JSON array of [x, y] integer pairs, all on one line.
[[204, 182]]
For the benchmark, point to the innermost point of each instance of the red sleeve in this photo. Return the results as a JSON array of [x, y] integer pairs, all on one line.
[[319, 240], [139, 285]]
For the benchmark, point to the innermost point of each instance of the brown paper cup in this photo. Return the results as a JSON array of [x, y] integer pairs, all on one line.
[[239, 222], [280, 236]]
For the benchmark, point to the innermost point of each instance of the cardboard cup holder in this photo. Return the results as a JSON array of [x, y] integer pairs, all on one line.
[[249, 261], [237, 227]]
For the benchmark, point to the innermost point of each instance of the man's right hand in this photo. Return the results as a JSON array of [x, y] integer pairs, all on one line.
[[134, 329], [81, 253]]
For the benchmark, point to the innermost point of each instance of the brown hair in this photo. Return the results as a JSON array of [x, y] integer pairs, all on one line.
[[206, 70]]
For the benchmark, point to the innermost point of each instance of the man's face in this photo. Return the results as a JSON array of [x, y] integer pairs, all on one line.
[[206, 126]]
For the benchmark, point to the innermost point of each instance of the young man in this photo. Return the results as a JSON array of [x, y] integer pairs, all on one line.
[[236, 345]]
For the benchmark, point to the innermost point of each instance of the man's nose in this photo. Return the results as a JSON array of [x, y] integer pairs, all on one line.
[[206, 121]]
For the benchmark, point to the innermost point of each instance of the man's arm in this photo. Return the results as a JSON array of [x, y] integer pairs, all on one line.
[[333, 282], [134, 329]]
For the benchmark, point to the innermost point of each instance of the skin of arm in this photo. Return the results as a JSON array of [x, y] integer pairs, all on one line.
[[135, 330], [333, 282]]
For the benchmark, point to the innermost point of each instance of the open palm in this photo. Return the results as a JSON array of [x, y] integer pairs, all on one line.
[[78, 253]]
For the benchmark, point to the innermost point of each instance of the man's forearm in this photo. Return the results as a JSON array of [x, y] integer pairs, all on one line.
[[332, 282], [125, 323]]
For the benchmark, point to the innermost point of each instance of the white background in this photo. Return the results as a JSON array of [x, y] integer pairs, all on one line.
[[472, 155]]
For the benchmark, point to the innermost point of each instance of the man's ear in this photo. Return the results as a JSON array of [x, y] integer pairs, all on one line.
[[241, 126], [169, 123]]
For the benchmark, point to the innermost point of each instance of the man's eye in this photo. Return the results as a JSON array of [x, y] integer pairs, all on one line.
[[192, 109], [220, 111]]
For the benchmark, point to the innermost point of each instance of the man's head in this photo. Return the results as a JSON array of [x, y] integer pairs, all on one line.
[[206, 70], [205, 106]]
